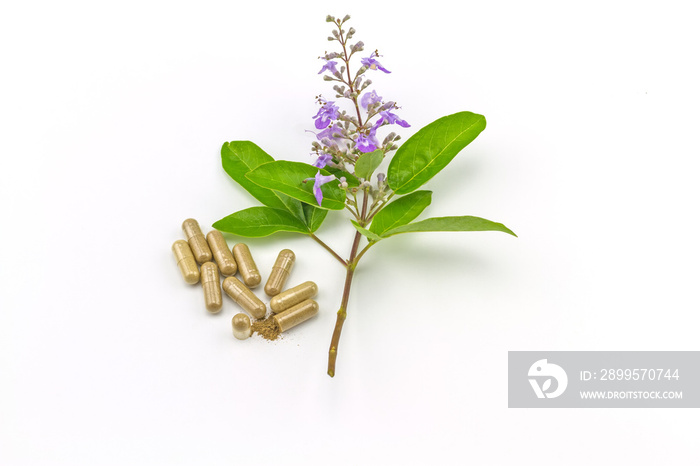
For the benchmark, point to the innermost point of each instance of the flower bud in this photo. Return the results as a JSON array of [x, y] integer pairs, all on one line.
[[380, 178], [359, 46], [346, 17], [330, 19]]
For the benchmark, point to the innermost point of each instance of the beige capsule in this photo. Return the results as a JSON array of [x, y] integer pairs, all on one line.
[[212, 287], [197, 241], [185, 261], [244, 297], [280, 272], [241, 326], [222, 255], [293, 296], [296, 314], [246, 265]]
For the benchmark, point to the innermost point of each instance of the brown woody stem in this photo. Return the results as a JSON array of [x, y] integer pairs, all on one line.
[[342, 312]]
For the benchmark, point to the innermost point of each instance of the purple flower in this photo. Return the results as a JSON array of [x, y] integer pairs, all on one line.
[[320, 180], [327, 113], [333, 133], [369, 99], [322, 160], [373, 64], [390, 118], [367, 143], [329, 66]]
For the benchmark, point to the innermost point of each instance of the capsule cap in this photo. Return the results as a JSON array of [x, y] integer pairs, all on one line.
[[241, 326]]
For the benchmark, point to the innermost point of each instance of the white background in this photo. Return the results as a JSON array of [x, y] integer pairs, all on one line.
[[112, 116]]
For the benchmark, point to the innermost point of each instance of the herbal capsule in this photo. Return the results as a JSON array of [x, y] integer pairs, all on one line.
[[293, 296], [280, 272], [222, 254], [241, 326], [212, 287], [185, 261], [246, 265], [296, 315], [198, 243], [244, 297]]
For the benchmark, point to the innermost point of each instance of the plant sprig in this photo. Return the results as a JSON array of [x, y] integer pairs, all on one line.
[[348, 153]]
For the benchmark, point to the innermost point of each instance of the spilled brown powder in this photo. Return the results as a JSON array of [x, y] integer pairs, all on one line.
[[268, 328]]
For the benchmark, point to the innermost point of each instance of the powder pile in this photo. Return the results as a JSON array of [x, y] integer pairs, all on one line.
[[268, 328]]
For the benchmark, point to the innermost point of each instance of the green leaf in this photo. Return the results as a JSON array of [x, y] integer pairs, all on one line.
[[464, 223], [431, 149], [400, 212], [370, 236], [240, 157], [260, 221], [367, 163], [314, 216], [288, 178], [349, 177]]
